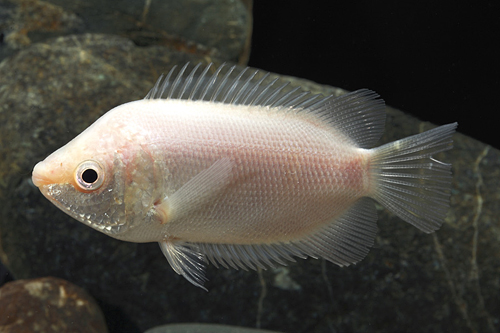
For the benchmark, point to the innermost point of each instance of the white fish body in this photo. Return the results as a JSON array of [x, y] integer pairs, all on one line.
[[227, 168]]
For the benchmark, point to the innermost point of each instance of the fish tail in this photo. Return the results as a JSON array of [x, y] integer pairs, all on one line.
[[408, 181]]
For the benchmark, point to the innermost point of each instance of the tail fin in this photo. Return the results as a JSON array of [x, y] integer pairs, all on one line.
[[409, 182]]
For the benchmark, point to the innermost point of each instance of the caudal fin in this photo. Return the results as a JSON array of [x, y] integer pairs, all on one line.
[[409, 182]]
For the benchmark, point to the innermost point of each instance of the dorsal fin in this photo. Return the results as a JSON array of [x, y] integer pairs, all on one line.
[[359, 115]]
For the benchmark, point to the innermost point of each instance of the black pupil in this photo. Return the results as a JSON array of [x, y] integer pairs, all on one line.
[[89, 176]]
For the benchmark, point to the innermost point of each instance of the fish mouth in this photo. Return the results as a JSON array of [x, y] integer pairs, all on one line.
[[46, 173], [38, 177]]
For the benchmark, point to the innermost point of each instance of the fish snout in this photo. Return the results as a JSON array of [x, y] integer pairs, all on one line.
[[45, 173], [39, 176]]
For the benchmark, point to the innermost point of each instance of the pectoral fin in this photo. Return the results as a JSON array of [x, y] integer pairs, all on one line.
[[199, 190]]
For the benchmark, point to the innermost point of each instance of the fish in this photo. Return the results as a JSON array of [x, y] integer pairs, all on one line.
[[227, 166]]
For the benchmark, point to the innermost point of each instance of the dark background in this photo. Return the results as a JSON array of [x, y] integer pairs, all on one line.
[[437, 60]]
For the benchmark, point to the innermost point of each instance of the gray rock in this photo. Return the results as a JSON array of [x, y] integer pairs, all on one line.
[[215, 28], [446, 281], [26, 21]]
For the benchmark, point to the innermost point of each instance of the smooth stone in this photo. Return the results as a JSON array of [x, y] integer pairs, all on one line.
[[48, 305]]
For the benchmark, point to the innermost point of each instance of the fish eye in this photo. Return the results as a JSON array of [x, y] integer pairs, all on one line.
[[89, 175]]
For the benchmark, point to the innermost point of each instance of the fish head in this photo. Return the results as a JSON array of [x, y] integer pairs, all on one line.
[[82, 182], [96, 179]]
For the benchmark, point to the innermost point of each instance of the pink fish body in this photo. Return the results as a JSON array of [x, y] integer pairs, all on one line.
[[230, 169]]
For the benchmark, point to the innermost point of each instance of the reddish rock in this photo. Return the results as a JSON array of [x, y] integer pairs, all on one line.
[[48, 305]]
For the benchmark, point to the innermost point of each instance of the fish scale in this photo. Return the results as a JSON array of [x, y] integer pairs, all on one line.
[[228, 166]]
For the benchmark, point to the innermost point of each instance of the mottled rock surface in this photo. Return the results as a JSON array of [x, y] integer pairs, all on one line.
[[410, 281], [48, 305], [213, 28]]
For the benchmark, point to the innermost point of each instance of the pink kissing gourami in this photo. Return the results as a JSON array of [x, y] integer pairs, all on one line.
[[227, 166]]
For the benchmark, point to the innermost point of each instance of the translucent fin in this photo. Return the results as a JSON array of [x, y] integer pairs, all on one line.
[[359, 115], [344, 241], [198, 191], [409, 182], [347, 239], [185, 260]]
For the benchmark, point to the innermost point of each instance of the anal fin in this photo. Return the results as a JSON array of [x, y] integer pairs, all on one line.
[[347, 239], [344, 241]]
